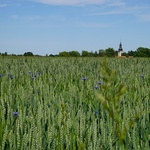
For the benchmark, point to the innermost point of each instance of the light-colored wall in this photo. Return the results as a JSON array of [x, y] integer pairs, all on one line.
[[119, 53]]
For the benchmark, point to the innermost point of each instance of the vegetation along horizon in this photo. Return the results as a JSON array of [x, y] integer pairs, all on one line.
[[74, 103]]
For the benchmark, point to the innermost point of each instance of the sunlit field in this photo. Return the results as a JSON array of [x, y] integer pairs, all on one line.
[[74, 103]]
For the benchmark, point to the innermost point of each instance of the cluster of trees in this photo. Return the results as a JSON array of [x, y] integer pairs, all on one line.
[[109, 52], [25, 54]]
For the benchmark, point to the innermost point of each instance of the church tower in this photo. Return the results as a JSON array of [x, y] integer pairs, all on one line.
[[120, 50]]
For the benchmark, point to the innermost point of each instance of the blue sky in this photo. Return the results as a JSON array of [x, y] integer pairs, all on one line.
[[51, 26]]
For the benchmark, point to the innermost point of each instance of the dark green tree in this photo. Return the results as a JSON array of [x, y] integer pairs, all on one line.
[[28, 54], [85, 53], [110, 52], [143, 52], [91, 54], [4, 54], [131, 53], [64, 54], [51, 55], [102, 53], [74, 53], [124, 54], [95, 54]]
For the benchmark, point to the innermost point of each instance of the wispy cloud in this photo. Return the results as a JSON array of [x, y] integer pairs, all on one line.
[[33, 17], [14, 17], [30, 18], [10, 3], [144, 18], [73, 2], [90, 25], [116, 3], [121, 10], [3, 5]]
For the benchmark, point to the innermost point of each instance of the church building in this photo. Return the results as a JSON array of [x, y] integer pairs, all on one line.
[[120, 50]]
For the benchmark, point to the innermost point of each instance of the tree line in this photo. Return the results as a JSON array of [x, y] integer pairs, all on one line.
[[109, 52]]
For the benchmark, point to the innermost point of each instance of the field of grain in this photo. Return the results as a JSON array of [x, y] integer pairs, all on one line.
[[74, 103]]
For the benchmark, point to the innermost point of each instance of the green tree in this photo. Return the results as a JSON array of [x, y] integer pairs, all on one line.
[[85, 53], [51, 55], [110, 52], [124, 54], [102, 53], [131, 53], [28, 54], [143, 52], [95, 54], [64, 54], [4, 54], [91, 54], [74, 53]]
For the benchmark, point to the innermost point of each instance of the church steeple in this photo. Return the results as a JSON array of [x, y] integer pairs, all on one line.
[[120, 47], [120, 50]]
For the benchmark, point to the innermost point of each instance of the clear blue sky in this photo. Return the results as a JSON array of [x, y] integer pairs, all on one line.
[[51, 26]]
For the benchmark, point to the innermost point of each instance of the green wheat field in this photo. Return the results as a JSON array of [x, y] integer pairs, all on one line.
[[74, 103]]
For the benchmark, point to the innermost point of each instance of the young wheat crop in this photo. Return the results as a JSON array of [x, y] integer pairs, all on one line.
[[67, 103]]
